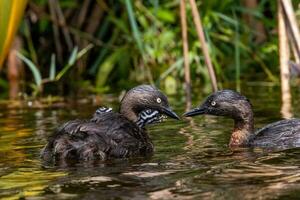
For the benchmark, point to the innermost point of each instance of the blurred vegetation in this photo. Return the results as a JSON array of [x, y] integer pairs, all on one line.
[[90, 47], [11, 14]]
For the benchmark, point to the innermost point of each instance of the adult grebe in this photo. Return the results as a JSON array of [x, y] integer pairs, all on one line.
[[111, 134], [284, 133]]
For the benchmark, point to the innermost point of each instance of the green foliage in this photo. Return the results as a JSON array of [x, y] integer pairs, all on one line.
[[69, 64], [140, 42], [39, 81], [35, 71]]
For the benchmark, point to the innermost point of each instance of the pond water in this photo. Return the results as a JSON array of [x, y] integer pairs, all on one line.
[[191, 160]]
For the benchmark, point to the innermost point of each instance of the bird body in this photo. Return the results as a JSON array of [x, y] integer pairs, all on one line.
[[283, 133], [109, 135]]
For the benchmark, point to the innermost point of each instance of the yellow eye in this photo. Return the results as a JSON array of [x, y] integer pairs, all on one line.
[[213, 103], [158, 100]]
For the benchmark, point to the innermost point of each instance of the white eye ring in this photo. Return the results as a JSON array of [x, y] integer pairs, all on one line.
[[213, 103], [158, 100]]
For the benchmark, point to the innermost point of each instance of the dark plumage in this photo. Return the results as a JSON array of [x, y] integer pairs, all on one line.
[[111, 134], [281, 134]]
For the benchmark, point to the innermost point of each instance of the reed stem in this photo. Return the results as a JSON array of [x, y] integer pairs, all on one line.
[[187, 76], [199, 29]]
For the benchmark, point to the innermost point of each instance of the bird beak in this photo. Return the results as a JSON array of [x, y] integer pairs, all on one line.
[[194, 112], [169, 112]]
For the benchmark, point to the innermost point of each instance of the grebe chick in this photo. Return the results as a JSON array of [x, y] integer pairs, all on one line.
[[111, 134], [281, 134]]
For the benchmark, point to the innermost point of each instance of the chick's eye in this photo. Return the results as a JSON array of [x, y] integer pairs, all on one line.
[[213, 103], [158, 100]]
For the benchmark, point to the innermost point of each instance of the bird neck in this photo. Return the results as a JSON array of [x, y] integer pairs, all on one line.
[[126, 109], [243, 129], [147, 116]]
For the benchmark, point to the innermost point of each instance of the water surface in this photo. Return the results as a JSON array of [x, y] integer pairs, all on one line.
[[191, 160]]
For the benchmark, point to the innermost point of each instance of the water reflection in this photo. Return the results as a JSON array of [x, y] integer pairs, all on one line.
[[191, 161]]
